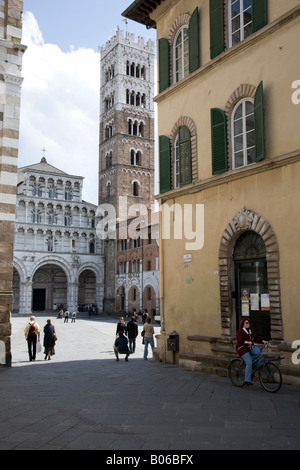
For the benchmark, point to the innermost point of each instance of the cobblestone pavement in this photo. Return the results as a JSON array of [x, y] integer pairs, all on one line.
[[84, 400]]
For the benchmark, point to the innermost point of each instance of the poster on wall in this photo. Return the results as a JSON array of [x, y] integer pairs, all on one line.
[[254, 301], [265, 301], [245, 295], [245, 309]]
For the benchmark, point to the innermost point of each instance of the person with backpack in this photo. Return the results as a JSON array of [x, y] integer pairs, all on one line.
[[32, 335]]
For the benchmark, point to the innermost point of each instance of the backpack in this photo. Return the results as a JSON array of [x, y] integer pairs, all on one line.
[[32, 330]]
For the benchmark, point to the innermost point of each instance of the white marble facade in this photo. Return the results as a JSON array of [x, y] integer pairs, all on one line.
[[58, 258]]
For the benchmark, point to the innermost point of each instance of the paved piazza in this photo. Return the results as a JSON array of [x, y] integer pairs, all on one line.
[[84, 400]]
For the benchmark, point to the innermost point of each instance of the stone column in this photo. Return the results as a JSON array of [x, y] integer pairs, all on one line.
[[10, 94]]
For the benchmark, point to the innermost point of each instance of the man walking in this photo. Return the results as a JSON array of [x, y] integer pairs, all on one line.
[[132, 332], [32, 335], [66, 316]]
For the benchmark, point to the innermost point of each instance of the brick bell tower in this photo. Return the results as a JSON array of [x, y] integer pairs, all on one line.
[[127, 121], [126, 151]]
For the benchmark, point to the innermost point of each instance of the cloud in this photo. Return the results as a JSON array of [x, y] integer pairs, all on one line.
[[60, 107]]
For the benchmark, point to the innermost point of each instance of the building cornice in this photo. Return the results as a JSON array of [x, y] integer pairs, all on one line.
[[232, 175]]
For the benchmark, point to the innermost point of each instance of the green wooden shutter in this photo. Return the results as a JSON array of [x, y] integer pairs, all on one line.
[[185, 155], [259, 123], [219, 141], [164, 64], [194, 59], [259, 14], [217, 41], [164, 164]]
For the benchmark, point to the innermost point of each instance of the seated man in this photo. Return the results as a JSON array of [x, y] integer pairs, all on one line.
[[121, 346]]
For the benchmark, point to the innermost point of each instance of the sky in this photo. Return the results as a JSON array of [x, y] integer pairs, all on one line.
[[61, 88]]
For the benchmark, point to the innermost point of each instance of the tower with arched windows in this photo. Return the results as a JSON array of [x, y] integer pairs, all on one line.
[[126, 160], [126, 155]]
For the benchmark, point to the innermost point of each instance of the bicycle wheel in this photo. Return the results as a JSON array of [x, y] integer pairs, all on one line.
[[236, 372], [270, 377]]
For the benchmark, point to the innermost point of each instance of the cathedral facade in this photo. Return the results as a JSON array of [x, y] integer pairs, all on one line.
[[58, 259]]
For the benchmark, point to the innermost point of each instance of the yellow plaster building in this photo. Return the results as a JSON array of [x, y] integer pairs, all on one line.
[[229, 143]]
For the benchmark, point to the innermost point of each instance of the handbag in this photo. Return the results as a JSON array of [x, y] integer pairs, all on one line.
[[38, 347], [55, 337]]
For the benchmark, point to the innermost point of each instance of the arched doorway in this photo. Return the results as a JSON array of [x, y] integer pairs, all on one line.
[[87, 288], [120, 299], [246, 222], [133, 299], [251, 282], [149, 300], [49, 288]]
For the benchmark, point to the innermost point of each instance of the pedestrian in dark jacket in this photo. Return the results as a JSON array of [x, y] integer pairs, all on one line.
[[132, 332], [121, 346], [121, 326], [49, 340]]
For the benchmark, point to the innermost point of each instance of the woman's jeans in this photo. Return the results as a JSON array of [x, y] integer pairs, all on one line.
[[148, 341], [254, 351]]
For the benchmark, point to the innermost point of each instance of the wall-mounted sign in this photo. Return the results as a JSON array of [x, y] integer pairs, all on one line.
[[187, 258]]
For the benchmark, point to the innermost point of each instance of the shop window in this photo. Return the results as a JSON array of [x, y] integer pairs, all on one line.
[[251, 286]]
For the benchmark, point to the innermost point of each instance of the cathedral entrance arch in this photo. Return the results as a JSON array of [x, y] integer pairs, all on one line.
[[87, 288], [49, 288]]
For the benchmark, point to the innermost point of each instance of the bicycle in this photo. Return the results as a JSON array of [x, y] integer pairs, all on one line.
[[269, 374]]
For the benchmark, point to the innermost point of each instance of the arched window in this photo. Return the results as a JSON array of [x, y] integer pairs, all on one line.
[[135, 157], [141, 129], [243, 134], [135, 188], [176, 164], [108, 158], [181, 54], [182, 157], [108, 188]]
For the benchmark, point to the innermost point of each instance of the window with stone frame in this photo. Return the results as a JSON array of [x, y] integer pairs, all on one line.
[[178, 163]]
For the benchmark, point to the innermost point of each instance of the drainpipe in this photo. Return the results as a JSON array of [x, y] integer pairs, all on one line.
[[161, 285]]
